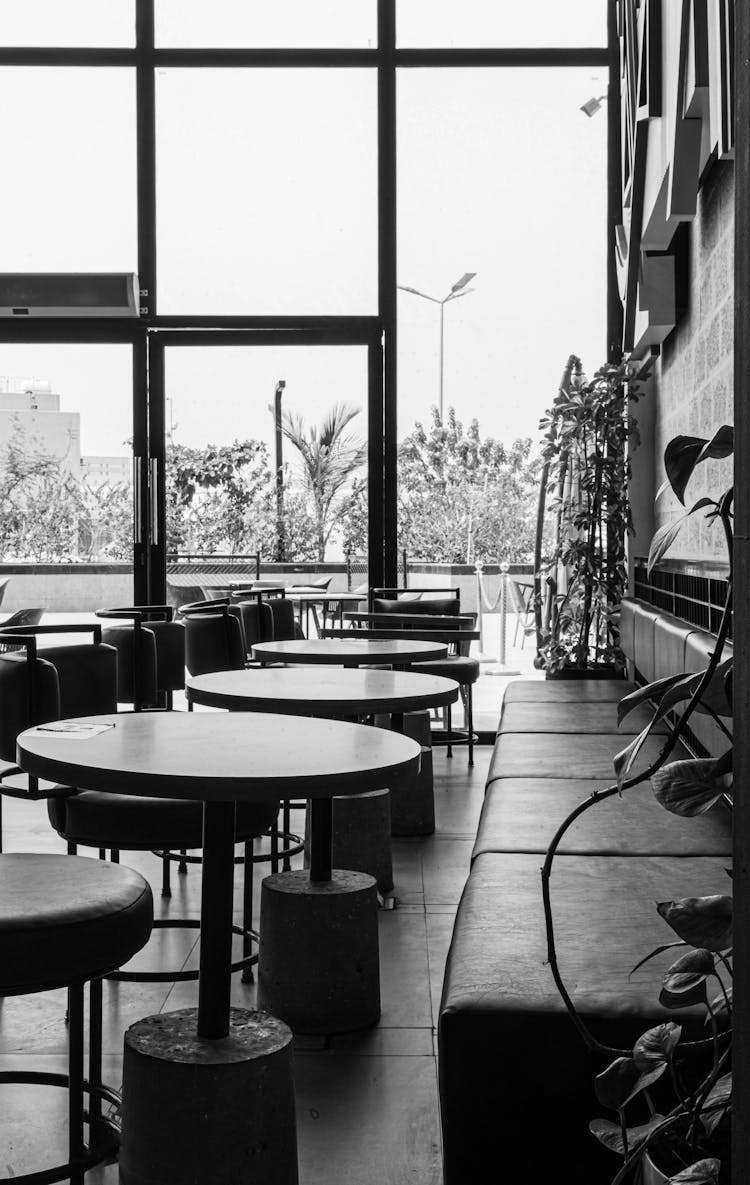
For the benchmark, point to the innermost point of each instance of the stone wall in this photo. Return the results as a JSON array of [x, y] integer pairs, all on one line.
[[694, 376]]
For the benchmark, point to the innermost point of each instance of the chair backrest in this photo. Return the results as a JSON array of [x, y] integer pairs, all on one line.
[[73, 679], [151, 653], [257, 621], [283, 620], [214, 637], [441, 601], [516, 601]]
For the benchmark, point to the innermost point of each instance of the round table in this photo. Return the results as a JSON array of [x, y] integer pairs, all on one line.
[[331, 692], [349, 652], [221, 759]]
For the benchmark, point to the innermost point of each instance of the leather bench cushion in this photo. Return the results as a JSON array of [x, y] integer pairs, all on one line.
[[567, 755], [523, 814], [65, 918], [670, 637], [567, 691], [132, 822], [577, 718], [644, 620], [464, 670], [516, 1084], [698, 650]]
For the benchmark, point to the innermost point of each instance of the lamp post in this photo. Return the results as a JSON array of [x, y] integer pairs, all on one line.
[[280, 556], [457, 289]]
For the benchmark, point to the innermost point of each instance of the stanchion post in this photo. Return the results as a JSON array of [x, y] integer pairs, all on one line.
[[503, 601]]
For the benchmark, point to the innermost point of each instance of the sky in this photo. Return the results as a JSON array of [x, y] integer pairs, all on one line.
[[266, 189]]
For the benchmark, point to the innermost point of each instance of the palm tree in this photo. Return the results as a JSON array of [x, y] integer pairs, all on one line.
[[330, 455]]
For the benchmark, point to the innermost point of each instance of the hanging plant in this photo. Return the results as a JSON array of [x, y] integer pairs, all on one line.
[[587, 435]]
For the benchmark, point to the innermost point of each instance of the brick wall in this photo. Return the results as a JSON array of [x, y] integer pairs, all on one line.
[[695, 371]]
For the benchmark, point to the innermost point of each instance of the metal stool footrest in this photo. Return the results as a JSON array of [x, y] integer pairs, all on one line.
[[185, 976]]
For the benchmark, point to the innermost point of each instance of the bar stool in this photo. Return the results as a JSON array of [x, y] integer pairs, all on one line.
[[64, 922]]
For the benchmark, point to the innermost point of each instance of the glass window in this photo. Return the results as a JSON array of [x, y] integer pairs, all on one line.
[[66, 477], [69, 169], [85, 23], [223, 407], [267, 191], [260, 24], [487, 23]]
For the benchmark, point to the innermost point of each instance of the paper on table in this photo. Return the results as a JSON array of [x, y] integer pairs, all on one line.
[[68, 730]]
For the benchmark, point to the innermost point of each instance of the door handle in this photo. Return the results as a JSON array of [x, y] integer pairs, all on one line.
[[154, 500], [137, 500]]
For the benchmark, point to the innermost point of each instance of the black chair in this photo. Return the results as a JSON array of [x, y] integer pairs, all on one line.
[[65, 922], [150, 654], [214, 636], [458, 665], [81, 680]]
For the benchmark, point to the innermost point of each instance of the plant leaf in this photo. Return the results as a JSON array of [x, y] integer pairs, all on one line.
[[685, 981], [703, 1172], [623, 1080], [689, 787], [651, 691], [720, 445], [610, 1134], [700, 921], [656, 1046], [625, 759], [652, 955], [666, 535], [716, 1103]]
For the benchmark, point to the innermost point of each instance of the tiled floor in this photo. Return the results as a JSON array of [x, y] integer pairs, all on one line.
[[367, 1109]]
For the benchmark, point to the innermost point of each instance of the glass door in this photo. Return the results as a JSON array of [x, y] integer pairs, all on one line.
[[71, 441], [261, 458]]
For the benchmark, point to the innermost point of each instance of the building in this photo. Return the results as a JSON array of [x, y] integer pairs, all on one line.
[[29, 407]]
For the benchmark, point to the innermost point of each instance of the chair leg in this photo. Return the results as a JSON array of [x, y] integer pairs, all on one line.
[[76, 1143], [470, 721], [72, 848], [275, 846], [247, 909], [166, 875], [449, 722], [286, 827], [182, 866]]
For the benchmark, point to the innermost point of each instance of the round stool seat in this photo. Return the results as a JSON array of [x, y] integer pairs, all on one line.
[[131, 822], [461, 668], [66, 919]]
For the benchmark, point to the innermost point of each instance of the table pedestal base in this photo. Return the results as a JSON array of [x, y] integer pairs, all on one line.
[[413, 803], [318, 965], [361, 836], [213, 1112]]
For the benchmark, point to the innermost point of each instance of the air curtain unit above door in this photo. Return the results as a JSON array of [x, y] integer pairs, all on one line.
[[69, 294]]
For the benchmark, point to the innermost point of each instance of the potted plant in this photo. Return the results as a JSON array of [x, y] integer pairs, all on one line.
[[682, 1088], [584, 488]]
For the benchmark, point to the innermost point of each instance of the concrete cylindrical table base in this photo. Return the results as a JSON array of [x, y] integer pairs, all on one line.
[[209, 1112], [318, 966], [361, 836]]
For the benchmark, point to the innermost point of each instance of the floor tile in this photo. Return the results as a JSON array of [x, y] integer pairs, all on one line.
[[445, 868], [439, 933], [367, 1120]]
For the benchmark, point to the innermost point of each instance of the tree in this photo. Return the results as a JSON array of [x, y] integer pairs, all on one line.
[[330, 457], [463, 498], [222, 498]]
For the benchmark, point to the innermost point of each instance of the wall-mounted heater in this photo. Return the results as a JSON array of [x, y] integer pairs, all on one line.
[[69, 294]]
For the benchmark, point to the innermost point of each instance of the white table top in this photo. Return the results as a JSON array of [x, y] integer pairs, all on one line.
[[349, 652], [222, 756], [332, 690]]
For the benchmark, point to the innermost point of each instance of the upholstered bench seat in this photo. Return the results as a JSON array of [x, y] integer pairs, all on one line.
[[66, 919], [563, 755], [523, 814], [512, 1067], [97, 819], [572, 691], [587, 717]]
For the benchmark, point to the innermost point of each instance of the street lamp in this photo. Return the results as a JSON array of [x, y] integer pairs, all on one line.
[[276, 411], [457, 289]]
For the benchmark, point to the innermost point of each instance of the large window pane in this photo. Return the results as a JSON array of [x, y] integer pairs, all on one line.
[[486, 23], [267, 191], [499, 174], [260, 24], [69, 170], [89, 23], [235, 489], [66, 489]]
